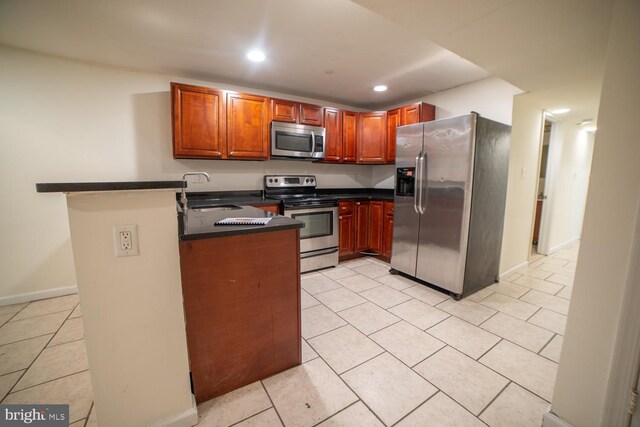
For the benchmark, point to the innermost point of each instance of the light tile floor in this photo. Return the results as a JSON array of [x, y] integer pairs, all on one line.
[[378, 349]]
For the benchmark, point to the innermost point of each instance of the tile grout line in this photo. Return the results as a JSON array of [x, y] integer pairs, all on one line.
[[496, 396], [235, 423], [273, 405], [347, 385], [36, 358], [340, 411], [86, 421]]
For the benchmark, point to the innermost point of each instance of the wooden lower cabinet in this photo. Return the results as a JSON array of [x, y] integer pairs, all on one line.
[[362, 226], [347, 231], [387, 229], [376, 214], [242, 308], [269, 208], [365, 226]]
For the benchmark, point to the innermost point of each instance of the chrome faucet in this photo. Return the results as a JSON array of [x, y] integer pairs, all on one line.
[[183, 196]]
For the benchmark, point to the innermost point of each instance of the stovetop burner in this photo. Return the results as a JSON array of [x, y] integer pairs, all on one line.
[[296, 191]]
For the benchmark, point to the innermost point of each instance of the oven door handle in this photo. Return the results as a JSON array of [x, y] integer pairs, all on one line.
[[318, 253]]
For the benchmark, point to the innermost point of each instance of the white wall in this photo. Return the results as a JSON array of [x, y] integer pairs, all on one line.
[[567, 193], [522, 183], [63, 121], [604, 265], [491, 98]]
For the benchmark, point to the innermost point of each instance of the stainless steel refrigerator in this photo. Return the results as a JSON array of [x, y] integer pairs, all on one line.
[[450, 191]]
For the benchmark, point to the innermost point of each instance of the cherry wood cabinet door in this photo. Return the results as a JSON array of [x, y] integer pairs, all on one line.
[[362, 226], [333, 135], [387, 229], [311, 114], [394, 118], [247, 127], [349, 136], [372, 135], [197, 121], [284, 111], [418, 112], [347, 231], [269, 208], [376, 215]]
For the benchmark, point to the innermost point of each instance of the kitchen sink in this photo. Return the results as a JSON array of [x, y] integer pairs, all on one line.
[[214, 208]]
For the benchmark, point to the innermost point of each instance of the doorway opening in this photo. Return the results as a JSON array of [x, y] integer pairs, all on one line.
[[543, 188]]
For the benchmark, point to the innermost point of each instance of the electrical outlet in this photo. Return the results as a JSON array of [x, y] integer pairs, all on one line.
[[125, 238]]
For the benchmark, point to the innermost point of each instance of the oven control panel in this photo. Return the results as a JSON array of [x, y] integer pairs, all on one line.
[[289, 181]]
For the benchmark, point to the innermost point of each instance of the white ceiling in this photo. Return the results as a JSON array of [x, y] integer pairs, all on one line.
[[334, 50], [553, 48]]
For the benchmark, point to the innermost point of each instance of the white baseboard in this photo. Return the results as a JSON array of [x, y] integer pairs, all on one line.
[[510, 271], [549, 419], [562, 246], [37, 295], [187, 418]]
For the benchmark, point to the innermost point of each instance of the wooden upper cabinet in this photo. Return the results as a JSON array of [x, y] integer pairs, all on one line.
[[198, 121], [418, 112], [394, 118], [349, 136], [248, 121], [284, 111], [311, 114], [372, 136], [333, 135]]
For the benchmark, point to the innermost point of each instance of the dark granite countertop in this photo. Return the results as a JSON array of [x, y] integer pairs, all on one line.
[[358, 193], [201, 222], [71, 187], [256, 197], [242, 197]]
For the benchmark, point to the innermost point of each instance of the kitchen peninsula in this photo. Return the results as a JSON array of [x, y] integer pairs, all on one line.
[[241, 288], [142, 298]]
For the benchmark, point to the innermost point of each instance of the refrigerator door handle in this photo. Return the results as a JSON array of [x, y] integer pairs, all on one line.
[[424, 164], [416, 191]]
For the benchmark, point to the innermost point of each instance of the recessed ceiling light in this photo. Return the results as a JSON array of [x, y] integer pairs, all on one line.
[[256, 56], [380, 88], [560, 110]]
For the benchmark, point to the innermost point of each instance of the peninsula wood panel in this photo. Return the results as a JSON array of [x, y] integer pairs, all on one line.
[[198, 122], [242, 308]]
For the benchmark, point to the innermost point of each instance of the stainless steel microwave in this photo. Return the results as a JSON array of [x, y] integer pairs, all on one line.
[[294, 141]]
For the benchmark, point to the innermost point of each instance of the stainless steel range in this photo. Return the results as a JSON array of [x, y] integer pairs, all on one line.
[[319, 237]]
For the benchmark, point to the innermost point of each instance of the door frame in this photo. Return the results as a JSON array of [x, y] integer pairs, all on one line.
[[625, 365], [554, 156]]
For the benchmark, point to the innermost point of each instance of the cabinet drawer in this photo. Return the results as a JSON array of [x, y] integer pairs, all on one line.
[[346, 207]]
